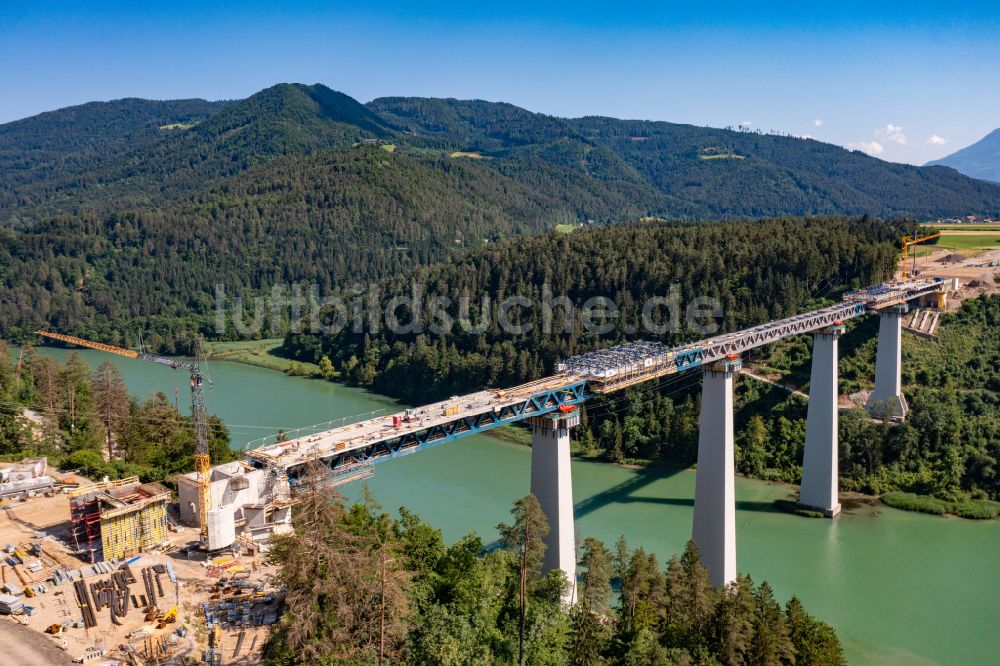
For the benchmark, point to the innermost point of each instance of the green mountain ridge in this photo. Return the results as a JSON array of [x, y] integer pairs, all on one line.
[[285, 119], [662, 169], [768, 175], [980, 160]]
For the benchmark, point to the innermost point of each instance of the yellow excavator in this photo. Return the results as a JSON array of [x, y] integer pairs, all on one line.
[[202, 464]]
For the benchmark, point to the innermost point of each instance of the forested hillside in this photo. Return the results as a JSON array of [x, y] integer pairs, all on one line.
[[714, 172], [106, 158], [331, 219], [949, 445], [757, 271], [186, 152], [48, 162], [123, 216]]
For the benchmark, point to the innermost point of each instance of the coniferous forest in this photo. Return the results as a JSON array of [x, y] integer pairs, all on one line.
[[363, 588]]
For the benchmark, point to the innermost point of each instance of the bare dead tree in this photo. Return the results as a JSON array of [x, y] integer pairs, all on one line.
[[345, 598]]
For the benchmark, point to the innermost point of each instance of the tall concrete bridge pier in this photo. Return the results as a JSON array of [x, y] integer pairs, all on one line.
[[887, 397], [820, 472], [714, 529], [552, 484]]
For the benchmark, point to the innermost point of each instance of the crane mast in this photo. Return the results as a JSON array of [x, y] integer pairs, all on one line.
[[202, 462], [913, 240]]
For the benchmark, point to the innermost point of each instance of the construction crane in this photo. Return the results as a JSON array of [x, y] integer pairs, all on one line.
[[202, 464], [913, 240]]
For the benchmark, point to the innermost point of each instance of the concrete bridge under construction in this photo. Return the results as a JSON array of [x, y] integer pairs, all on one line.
[[548, 405]]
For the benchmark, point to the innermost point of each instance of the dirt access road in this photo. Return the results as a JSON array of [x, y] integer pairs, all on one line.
[[25, 647]]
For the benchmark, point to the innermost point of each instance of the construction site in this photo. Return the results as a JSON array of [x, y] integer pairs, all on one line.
[[248, 506], [109, 572], [115, 571]]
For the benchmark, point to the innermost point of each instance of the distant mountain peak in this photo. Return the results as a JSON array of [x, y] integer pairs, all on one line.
[[980, 160], [300, 104]]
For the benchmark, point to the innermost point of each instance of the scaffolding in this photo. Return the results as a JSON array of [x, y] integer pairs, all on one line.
[[123, 517]]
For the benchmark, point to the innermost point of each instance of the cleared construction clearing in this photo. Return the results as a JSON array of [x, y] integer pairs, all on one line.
[[106, 573]]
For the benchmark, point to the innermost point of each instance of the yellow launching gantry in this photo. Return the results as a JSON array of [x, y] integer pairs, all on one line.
[[202, 464], [913, 240]]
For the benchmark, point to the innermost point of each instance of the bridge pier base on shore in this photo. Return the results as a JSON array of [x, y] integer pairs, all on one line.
[[552, 484], [819, 466], [887, 399], [714, 529]]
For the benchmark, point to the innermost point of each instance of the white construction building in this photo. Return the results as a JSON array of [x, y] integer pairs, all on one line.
[[244, 508]]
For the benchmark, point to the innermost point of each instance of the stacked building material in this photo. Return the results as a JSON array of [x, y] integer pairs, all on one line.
[[9, 604]]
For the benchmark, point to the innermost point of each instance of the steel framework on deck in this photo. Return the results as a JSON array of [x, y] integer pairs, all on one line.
[[356, 463]]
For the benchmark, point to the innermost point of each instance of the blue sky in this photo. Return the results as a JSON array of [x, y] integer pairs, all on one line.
[[907, 82]]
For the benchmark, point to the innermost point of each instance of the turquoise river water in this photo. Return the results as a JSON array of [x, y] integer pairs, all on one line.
[[899, 587]]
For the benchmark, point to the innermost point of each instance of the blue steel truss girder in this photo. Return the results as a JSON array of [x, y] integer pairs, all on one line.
[[537, 404], [633, 363], [717, 348]]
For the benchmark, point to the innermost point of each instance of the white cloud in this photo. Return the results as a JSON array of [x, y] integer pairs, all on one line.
[[892, 133], [873, 148], [936, 140], [818, 122]]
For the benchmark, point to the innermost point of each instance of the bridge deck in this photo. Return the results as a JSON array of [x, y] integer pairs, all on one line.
[[364, 434]]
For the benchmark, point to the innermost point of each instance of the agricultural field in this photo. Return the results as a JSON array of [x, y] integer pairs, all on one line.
[[969, 240], [965, 227]]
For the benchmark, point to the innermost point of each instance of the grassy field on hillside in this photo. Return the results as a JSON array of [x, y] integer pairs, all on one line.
[[722, 156]]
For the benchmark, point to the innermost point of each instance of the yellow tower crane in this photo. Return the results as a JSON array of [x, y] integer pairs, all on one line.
[[202, 464], [913, 240]]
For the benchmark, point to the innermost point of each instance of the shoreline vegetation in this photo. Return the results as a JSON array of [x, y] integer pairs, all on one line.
[[974, 509]]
